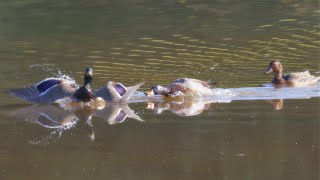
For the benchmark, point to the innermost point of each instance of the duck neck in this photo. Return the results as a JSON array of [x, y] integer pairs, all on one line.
[[278, 76], [87, 81]]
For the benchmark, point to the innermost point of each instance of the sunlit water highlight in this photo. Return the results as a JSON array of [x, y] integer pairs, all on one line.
[[229, 42], [247, 93]]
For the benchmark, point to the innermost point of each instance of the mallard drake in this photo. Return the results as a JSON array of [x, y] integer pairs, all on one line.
[[82, 96], [47, 91], [295, 79], [84, 93], [116, 92], [182, 87]]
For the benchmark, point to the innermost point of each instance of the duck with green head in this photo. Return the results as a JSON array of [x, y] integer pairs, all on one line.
[[83, 96], [111, 92], [84, 93]]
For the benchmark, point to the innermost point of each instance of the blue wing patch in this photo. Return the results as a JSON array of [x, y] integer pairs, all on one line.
[[120, 117], [45, 85], [120, 89]]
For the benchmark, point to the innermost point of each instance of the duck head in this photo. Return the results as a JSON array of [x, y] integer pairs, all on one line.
[[275, 66], [157, 89], [88, 76]]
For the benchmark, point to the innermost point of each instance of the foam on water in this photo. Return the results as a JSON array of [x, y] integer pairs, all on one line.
[[246, 93], [265, 93]]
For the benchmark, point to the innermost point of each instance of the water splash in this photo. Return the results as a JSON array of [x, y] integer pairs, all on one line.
[[53, 70], [268, 93], [245, 93]]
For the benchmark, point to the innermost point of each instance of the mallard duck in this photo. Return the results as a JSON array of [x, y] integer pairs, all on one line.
[[84, 93], [182, 87], [116, 92], [46, 91], [295, 79], [83, 96]]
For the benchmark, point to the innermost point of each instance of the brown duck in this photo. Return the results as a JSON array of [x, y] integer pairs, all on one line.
[[294, 79], [182, 87]]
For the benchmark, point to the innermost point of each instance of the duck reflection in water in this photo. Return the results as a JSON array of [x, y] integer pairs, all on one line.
[[60, 120], [117, 113], [183, 107], [47, 116], [277, 104]]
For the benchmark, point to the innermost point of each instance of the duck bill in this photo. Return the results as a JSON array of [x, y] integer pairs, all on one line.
[[89, 73], [149, 93], [269, 70]]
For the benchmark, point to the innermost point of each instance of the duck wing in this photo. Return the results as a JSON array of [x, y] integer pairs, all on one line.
[[204, 83], [46, 84], [299, 75], [117, 113], [116, 92], [46, 91], [28, 93], [301, 78], [130, 91], [48, 116], [184, 80]]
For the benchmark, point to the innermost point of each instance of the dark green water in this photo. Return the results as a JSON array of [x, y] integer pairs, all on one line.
[[130, 41]]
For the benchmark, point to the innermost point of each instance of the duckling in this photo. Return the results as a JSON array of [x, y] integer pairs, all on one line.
[[116, 92], [182, 87], [47, 91], [295, 79], [84, 93]]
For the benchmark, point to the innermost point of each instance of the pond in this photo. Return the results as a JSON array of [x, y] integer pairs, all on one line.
[[247, 130]]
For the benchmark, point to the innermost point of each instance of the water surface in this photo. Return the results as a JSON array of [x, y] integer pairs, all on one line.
[[246, 131]]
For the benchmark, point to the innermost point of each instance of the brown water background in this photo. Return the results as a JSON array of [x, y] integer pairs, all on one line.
[[130, 41]]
